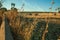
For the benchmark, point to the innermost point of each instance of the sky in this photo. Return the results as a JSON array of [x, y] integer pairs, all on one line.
[[32, 5]]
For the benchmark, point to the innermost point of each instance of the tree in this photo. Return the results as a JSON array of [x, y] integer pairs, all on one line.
[[0, 4], [1, 1], [12, 5], [58, 9]]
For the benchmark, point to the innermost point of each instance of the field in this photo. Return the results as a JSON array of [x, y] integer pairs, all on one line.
[[29, 25]]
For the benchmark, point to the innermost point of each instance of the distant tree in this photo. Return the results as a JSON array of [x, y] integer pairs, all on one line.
[[12, 5], [0, 4], [1, 1], [3, 9], [58, 9]]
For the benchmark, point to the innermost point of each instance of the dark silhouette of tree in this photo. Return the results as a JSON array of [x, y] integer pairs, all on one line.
[[12, 5], [0, 4], [59, 9], [3, 9]]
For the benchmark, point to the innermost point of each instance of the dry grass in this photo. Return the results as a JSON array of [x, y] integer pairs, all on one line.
[[20, 28]]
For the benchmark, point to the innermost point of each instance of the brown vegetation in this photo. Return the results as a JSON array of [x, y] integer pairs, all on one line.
[[21, 26]]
